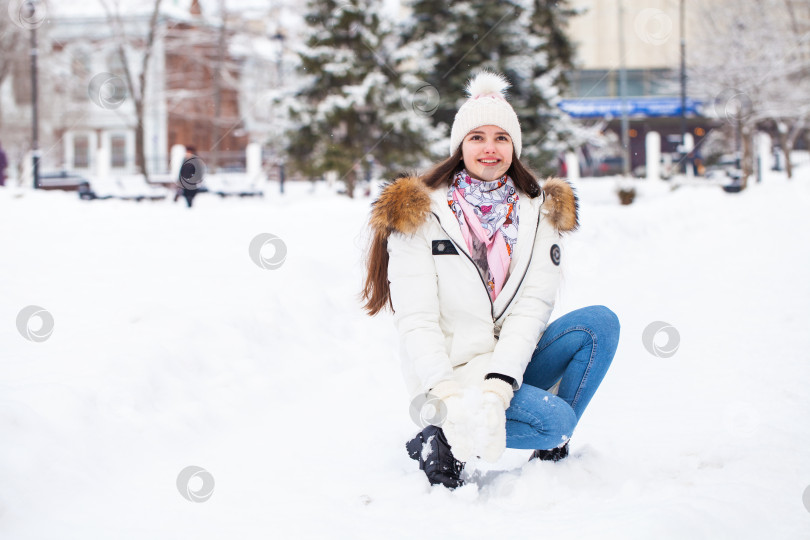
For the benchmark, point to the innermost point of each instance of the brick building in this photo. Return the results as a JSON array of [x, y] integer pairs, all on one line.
[[86, 112]]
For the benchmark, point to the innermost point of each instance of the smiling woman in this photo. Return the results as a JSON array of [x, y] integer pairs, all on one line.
[[468, 258]]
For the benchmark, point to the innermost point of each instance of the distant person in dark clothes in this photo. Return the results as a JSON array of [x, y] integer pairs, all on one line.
[[3, 165], [190, 176]]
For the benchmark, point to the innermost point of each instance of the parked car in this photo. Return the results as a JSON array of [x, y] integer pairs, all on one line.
[[726, 167], [609, 166]]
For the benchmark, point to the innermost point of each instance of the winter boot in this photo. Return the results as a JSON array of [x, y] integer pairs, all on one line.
[[553, 454], [431, 450]]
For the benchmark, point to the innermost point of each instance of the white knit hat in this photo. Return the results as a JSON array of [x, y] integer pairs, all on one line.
[[487, 106]]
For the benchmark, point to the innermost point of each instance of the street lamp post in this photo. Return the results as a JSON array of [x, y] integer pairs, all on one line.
[[623, 95], [31, 9], [683, 88], [279, 74]]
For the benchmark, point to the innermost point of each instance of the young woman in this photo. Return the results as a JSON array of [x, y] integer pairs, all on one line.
[[468, 258]]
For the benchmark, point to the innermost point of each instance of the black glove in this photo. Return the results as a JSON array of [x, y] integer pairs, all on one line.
[[431, 450]]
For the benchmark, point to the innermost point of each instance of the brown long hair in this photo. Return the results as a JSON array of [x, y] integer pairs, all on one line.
[[376, 294]]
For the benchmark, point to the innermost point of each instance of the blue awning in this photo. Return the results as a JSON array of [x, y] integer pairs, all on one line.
[[653, 107]]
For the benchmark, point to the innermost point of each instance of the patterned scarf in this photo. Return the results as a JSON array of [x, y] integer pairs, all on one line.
[[487, 215]]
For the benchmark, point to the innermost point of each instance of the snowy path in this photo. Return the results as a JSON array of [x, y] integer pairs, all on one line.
[[172, 348]]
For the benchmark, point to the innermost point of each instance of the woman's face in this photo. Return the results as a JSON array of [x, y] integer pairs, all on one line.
[[487, 152]]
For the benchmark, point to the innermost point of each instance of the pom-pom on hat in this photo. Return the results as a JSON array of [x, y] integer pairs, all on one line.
[[487, 106]]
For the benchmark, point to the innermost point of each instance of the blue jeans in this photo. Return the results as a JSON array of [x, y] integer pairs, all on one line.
[[576, 350]]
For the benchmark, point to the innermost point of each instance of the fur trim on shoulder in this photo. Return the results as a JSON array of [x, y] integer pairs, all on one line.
[[403, 206], [561, 204]]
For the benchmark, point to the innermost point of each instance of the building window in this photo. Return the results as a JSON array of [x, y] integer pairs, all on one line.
[[590, 83], [118, 151], [663, 82], [81, 152], [597, 83]]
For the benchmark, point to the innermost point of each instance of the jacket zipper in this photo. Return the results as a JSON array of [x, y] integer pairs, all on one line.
[[531, 254], [486, 289], [458, 248]]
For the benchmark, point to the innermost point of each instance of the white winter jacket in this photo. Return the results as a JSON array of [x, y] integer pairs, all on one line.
[[449, 327]]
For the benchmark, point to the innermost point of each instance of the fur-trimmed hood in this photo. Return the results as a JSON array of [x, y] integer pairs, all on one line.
[[404, 205]]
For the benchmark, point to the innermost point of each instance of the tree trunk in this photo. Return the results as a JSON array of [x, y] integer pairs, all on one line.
[[140, 150], [747, 157], [788, 139], [150, 45], [137, 91], [350, 180], [213, 158], [787, 148]]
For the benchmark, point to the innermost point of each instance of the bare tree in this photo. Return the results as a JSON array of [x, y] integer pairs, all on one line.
[[136, 82], [203, 84], [15, 124], [794, 116], [217, 83], [12, 43], [752, 57]]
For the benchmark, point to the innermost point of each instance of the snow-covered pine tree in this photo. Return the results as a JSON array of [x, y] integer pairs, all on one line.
[[444, 43], [354, 107], [548, 130]]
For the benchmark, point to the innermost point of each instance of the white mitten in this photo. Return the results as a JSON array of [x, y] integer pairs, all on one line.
[[456, 424], [497, 396]]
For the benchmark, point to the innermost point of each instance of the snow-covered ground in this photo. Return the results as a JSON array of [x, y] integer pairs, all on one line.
[[171, 348]]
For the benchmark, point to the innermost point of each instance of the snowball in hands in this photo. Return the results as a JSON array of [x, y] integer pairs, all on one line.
[[492, 443], [476, 419], [456, 428], [497, 395], [455, 423]]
